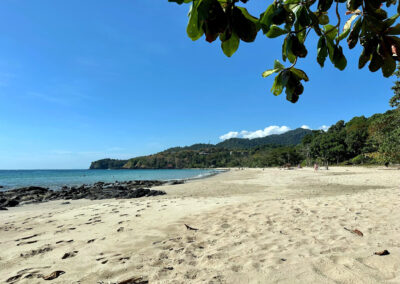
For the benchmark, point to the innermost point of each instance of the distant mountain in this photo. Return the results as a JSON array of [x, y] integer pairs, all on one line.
[[231, 152], [290, 138]]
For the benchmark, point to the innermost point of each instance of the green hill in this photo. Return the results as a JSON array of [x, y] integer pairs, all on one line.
[[292, 137]]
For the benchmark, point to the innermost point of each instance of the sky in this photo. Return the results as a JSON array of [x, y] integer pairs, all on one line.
[[85, 80]]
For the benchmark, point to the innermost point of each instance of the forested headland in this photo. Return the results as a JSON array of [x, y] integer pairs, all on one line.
[[362, 140]]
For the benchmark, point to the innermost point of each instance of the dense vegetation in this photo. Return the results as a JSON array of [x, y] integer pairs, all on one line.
[[371, 23], [373, 140], [229, 153]]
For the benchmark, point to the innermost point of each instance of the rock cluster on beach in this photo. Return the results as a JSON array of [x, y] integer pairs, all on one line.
[[99, 190]]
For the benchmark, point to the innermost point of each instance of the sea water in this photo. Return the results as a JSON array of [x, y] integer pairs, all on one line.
[[55, 179]]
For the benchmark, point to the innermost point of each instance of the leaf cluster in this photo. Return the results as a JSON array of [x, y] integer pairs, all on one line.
[[368, 24]]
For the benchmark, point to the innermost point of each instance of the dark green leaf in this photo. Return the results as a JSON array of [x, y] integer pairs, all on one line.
[[297, 48], [364, 58], [322, 51], [389, 66], [393, 30], [243, 27], [324, 5], [354, 34], [289, 48], [376, 62], [279, 15], [339, 60]]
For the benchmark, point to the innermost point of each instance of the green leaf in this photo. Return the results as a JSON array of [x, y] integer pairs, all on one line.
[[266, 18], [330, 32], [331, 48], [364, 58], [376, 62], [269, 72], [275, 31], [278, 65], [301, 75], [304, 18], [245, 29], [322, 51], [289, 52], [390, 21], [389, 66], [324, 5], [194, 28], [247, 15], [230, 46], [297, 47], [277, 87], [339, 60], [346, 28], [393, 30], [354, 34]]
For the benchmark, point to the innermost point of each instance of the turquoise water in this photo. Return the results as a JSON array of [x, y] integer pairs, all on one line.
[[57, 178]]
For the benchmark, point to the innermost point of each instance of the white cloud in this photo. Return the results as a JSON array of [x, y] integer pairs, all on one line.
[[305, 127], [229, 135], [273, 129], [324, 128]]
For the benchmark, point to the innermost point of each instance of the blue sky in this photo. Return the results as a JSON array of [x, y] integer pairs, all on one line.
[[84, 80]]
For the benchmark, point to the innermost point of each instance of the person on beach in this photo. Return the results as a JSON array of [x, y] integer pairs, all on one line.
[[315, 167]]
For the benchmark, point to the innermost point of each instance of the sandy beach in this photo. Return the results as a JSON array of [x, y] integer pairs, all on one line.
[[253, 226]]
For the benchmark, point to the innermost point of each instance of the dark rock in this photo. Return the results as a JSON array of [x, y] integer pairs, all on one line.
[[3, 208], [177, 182], [100, 190], [11, 203]]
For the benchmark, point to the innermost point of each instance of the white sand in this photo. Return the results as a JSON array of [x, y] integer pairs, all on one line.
[[255, 226]]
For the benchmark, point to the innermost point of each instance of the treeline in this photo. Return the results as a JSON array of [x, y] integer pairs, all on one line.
[[374, 140], [212, 157]]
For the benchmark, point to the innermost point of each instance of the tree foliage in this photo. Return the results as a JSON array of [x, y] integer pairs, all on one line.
[[368, 24]]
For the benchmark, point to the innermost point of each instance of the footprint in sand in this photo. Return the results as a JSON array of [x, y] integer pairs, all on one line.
[[26, 238], [69, 254], [26, 243], [34, 252]]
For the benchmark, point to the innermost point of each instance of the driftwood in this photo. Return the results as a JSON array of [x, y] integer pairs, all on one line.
[[381, 253], [356, 231], [191, 228]]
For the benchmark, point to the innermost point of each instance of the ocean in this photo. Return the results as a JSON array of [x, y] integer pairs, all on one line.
[[55, 179]]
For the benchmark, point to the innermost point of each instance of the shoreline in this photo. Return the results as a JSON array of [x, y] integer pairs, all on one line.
[[253, 226], [211, 172]]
